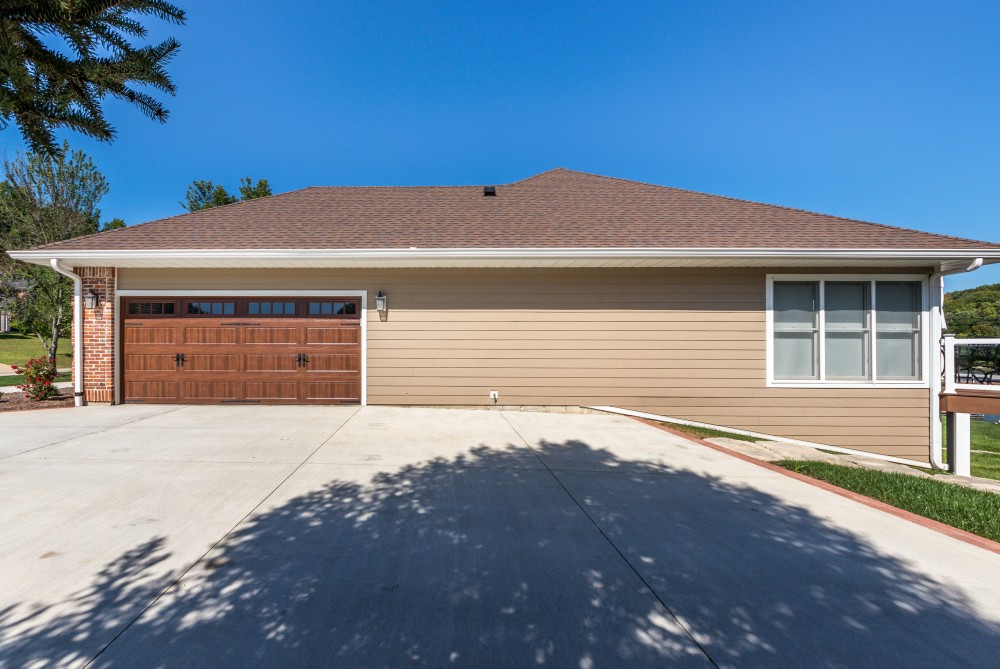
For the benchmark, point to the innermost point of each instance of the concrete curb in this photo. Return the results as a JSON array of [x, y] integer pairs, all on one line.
[[953, 532]]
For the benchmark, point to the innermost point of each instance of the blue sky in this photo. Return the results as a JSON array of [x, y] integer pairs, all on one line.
[[874, 110]]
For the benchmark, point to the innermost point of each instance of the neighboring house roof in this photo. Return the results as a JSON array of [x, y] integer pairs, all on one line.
[[558, 209]]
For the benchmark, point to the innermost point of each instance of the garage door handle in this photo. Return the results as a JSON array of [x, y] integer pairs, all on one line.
[[179, 359]]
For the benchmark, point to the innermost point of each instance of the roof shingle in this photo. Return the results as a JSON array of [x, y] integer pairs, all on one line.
[[555, 209]]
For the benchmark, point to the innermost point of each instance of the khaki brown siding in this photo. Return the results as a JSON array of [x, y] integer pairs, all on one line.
[[684, 343]]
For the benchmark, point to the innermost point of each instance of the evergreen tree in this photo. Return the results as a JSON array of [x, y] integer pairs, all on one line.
[[43, 88], [206, 194]]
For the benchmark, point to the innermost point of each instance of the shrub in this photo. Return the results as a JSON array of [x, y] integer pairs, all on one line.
[[39, 373]]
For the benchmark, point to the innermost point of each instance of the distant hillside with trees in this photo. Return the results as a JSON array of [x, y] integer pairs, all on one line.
[[974, 312]]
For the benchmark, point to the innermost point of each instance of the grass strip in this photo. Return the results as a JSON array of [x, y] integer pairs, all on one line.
[[975, 511], [709, 433], [16, 380]]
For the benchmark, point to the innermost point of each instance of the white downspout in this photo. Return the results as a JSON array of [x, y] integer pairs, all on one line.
[[77, 331], [937, 326]]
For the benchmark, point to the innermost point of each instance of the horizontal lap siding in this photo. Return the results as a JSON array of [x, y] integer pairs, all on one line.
[[684, 343]]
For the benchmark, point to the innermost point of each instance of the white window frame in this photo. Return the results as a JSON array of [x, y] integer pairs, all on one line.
[[923, 382], [363, 294]]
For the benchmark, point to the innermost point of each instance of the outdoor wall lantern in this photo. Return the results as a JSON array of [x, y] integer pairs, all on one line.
[[92, 300], [381, 303]]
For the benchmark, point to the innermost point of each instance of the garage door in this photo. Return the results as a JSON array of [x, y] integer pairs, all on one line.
[[248, 350]]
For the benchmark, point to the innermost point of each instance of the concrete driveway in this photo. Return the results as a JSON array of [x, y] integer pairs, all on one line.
[[382, 537]]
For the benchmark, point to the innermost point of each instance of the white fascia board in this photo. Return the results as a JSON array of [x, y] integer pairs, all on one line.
[[414, 256]]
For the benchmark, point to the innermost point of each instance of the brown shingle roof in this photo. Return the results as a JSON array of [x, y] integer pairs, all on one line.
[[556, 209]]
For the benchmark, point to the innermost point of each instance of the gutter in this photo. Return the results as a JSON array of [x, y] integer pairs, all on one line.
[[937, 328], [77, 330]]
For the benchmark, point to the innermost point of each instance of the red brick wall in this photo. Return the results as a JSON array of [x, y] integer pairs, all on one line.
[[99, 335]]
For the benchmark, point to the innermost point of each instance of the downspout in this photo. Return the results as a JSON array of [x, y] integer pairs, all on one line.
[[77, 331], [937, 327]]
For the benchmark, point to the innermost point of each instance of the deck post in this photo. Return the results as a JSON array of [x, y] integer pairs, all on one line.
[[959, 443], [950, 373]]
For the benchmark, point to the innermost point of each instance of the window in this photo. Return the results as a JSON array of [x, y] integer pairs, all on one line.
[[256, 308], [845, 330], [333, 308], [211, 308], [151, 309]]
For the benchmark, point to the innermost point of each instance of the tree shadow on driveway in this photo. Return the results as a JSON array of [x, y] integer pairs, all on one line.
[[491, 560]]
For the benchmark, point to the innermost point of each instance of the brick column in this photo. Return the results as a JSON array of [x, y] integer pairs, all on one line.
[[99, 335]]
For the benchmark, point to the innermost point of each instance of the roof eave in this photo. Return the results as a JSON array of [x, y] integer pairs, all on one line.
[[501, 257]]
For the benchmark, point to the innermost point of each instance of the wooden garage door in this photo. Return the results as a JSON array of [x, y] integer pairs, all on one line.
[[246, 350]]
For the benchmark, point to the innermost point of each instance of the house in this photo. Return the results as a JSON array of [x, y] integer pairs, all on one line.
[[17, 288], [564, 289]]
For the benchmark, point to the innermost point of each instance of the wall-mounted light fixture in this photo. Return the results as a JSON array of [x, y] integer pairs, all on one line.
[[92, 300], [381, 303]]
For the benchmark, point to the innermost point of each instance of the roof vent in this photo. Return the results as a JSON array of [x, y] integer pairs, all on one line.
[[489, 191]]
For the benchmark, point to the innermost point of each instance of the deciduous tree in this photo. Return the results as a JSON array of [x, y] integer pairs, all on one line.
[[45, 199]]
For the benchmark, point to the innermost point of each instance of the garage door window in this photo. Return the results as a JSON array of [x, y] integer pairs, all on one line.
[[211, 308], [271, 308], [151, 308], [337, 308]]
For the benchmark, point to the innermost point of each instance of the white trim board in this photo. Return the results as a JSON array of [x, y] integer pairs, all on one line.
[[363, 294], [761, 435]]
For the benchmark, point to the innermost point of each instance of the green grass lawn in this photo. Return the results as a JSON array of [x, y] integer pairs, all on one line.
[[708, 433], [17, 349], [16, 380], [971, 510]]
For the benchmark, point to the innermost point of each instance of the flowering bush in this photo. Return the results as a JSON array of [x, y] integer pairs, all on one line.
[[39, 373]]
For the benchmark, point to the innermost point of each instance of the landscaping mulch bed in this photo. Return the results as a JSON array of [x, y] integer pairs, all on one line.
[[18, 402]]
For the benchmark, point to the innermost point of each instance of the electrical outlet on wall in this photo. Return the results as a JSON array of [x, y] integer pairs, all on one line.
[[495, 396]]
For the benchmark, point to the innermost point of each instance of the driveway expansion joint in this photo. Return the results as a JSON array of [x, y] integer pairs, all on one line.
[[615, 547]]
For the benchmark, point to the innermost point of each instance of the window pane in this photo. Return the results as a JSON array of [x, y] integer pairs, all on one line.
[[157, 308], [795, 355], [314, 308], [265, 308], [898, 355], [216, 308], [253, 308], [846, 306], [277, 309], [289, 308], [168, 308], [338, 308], [898, 305], [133, 308], [795, 304], [327, 309], [898, 338], [847, 355], [351, 308], [229, 308], [192, 307]]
